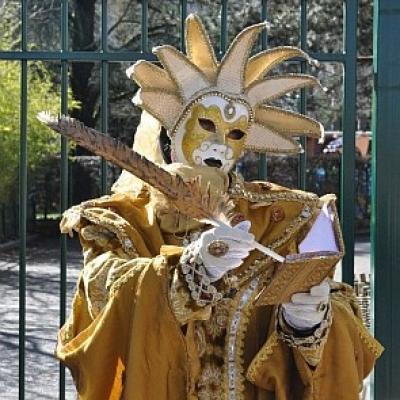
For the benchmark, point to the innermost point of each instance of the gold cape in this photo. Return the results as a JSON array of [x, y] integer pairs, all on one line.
[[124, 338]]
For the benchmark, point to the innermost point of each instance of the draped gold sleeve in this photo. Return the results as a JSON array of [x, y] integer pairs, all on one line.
[[112, 230], [347, 358], [133, 349]]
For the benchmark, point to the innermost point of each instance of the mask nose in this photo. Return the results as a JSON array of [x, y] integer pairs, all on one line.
[[216, 139], [217, 150]]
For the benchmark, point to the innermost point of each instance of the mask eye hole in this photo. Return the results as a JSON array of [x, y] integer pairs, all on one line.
[[207, 124], [235, 134]]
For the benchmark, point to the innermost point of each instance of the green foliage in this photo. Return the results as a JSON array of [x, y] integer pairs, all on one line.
[[42, 143]]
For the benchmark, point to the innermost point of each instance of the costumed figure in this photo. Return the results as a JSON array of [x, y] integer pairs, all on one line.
[[196, 284]]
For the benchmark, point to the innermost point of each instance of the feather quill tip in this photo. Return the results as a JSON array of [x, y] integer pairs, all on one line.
[[47, 118]]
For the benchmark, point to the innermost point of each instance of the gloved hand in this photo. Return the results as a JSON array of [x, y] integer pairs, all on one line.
[[224, 248], [306, 310]]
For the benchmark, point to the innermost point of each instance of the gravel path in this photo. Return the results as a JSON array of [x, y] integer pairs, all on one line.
[[42, 319]]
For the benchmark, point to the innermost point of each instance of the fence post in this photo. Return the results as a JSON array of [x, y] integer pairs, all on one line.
[[3, 220], [385, 196]]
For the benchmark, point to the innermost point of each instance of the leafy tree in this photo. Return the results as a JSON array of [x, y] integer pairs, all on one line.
[[41, 142], [325, 34], [42, 95]]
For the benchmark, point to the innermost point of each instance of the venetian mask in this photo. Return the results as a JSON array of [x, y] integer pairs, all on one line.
[[212, 134]]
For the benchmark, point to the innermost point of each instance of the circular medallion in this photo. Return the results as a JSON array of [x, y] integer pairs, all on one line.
[[229, 111], [277, 213], [218, 248]]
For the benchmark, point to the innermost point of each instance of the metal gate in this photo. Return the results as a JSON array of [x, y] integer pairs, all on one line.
[[348, 58]]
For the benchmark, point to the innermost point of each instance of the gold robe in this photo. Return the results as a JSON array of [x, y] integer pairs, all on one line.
[[125, 338]]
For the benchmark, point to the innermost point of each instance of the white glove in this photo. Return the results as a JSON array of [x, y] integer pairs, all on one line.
[[306, 310], [224, 248]]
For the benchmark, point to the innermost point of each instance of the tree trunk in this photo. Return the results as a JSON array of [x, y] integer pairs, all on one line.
[[82, 34]]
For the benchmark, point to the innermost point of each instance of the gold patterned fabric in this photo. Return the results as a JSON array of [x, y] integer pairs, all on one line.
[[134, 332]]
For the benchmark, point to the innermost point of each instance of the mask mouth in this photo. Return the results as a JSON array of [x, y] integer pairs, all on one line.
[[213, 162]]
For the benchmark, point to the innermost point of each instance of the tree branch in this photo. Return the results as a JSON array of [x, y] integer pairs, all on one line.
[[120, 19]]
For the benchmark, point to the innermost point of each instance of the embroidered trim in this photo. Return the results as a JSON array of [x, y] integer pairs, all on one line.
[[71, 218], [315, 255], [313, 341], [262, 356], [141, 263], [337, 227], [199, 97], [84, 210], [294, 277], [234, 379], [236, 280], [373, 345], [238, 191], [94, 279], [180, 301], [112, 226], [198, 282]]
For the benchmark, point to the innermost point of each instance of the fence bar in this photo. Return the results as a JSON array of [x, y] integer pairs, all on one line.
[[183, 10], [303, 100], [347, 193], [104, 92], [262, 159], [63, 207], [145, 28], [224, 26], [88, 56], [3, 220], [64, 184], [23, 168], [73, 56], [385, 216]]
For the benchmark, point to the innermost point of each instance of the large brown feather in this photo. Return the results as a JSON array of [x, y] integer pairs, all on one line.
[[187, 196]]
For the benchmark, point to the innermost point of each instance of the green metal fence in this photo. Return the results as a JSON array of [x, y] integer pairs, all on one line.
[[348, 58], [385, 220]]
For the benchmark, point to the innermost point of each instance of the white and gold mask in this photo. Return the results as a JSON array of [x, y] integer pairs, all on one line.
[[213, 133], [214, 111]]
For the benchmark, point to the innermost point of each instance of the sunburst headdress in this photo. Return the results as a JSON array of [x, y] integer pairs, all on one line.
[[239, 82]]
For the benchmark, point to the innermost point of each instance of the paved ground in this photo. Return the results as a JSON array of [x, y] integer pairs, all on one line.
[[42, 305], [42, 317]]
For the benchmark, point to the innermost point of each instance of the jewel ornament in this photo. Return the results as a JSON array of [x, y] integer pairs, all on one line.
[[218, 248]]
